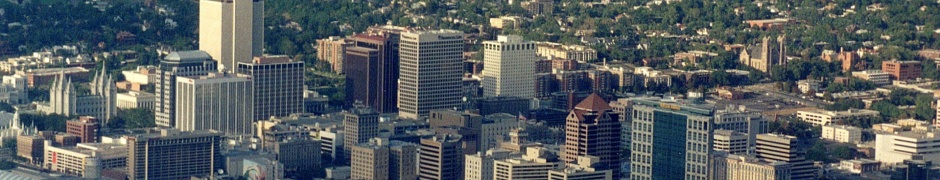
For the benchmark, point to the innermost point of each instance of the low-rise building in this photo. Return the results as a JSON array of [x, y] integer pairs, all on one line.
[[570, 52], [878, 77], [730, 141], [506, 22], [859, 166], [821, 117], [920, 141], [142, 75], [583, 170], [748, 168], [808, 86], [730, 93], [902, 70], [132, 99], [85, 160], [842, 133]]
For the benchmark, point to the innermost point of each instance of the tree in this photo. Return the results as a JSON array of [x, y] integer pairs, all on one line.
[[6, 107], [886, 109], [133, 118], [845, 104], [922, 109]]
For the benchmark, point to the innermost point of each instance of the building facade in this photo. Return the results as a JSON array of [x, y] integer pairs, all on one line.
[[593, 129], [276, 88], [85, 127], [672, 139], [231, 31], [763, 57], [361, 124], [509, 67], [823, 118], [170, 154], [133, 99], [783, 148], [902, 70], [440, 157], [333, 51], [750, 168], [431, 73], [177, 64], [878, 77], [386, 67], [65, 100], [218, 101], [842, 133]]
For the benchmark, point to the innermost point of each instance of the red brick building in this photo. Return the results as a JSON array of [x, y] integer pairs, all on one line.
[[902, 70]]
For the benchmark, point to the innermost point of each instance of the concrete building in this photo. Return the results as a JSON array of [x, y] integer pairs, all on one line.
[[43, 76], [731, 141], [502, 104], [133, 99], [509, 67], [218, 101], [383, 159], [170, 154], [902, 70], [533, 165], [495, 128], [434, 57], [85, 127], [440, 157], [14, 90], [507, 22], [142, 75], [782, 148], [275, 85], [84, 160], [892, 148], [383, 96], [593, 129], [821, 117], [766, 55], [333, 50], [539, 7], [672, 139], [299, 156], [582, 54], [177, 64], [842, 133], [480, 166], [65, 100], [362, 75], [584, 170], [808, 86], [859, 166], [231, 31], [880, 78], [361, 124], [751, 168], [31, 148]]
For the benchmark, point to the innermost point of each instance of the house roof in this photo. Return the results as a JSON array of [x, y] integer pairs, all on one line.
[[593, 102]]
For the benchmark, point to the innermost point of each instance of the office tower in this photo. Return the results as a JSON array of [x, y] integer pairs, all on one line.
[[782, 148], [593, 129], [534, 164], [748, 168], [440, 158], [301, 157], [361, 75], [386, 67], [741, 120], [177, 64], [218, 101], [384, 159], [278, 90], [431, 74], [361, 123], [333, 51], [732, 142], [231, 31], [509, 67], [672, 139], [85, 127], [170, 154]]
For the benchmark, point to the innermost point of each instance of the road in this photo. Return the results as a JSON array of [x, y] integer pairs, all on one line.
[[769, 89]]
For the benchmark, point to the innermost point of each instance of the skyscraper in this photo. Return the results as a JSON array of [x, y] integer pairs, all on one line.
[[218, 101], [361, 124], [384, 85], [671, 139], [593, 129], [384, 159], [277, 87], [440, 158], [509, 67], [231, 31], [170, 154], [783, 148], [177, 64], [361, 75], [431, 72]]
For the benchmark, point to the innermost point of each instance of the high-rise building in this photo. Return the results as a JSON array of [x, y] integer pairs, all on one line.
[[361, 124], [385, 90], [783, 148], [731, 141], [301, 157], [383, 159], [333, 51], [218, 101], [534, 164], [361, 75], [509, 67], [431, 76], [277, 88], [170, 154], [440, 157], [231, 31], [177, 64], [85, 127], [593, 129], [672, 139]]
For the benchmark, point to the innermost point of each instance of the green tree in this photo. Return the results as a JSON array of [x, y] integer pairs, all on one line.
[[886, 109], [845, 104], [6, 107], [922, 107], [133, 118]]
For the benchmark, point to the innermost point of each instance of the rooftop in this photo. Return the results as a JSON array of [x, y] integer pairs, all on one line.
[[188, 56]]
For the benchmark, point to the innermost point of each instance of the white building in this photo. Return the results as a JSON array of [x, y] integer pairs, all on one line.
[[436, 58], [842, 133], [731, 142], [583, 170], [217, 101], [84, 160], [808, 85], [14, 90], [923, 140], [132, 99], [231, 31], [534, 165], [494, 128], [509, 67], [65, 100], [878, 77], [821, 117], [480, 166], [651, 76], [10, 126], [750, 168], [142, 75]]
